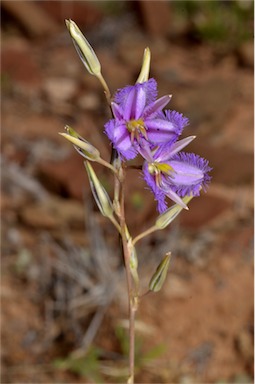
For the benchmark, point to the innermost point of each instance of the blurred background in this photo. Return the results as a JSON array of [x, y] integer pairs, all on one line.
[[64, 306]]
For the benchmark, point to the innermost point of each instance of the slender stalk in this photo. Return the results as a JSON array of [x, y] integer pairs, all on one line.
[[131, 344], [131, 299], [106, 164], [105, 87], [115, 223], [145, 233], [120, 211]]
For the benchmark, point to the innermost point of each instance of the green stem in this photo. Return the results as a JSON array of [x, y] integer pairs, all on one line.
[[131, 299], [145, 233], [106, 88], [106, 164], [115, 223]]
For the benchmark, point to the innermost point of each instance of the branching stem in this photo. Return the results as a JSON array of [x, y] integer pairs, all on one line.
[[132, 299], [106, 88], [115, 223], [119, 207], [145, 233], [106, 164]]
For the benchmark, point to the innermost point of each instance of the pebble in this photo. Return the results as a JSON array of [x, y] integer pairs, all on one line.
[[246, 54], [60, 89], [55, 213]]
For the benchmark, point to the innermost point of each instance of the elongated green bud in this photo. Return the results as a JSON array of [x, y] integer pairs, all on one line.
[[72, 132], [100, 195], [85, 149], [168, 216], [84, 49], [159, 276], [144, 74]]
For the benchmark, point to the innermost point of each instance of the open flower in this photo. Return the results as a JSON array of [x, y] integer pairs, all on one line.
[[138, 116], [175, 174]]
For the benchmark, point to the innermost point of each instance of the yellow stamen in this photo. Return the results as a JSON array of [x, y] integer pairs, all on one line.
[[165, 168], [158, 178], [157, 169], [136, 128]]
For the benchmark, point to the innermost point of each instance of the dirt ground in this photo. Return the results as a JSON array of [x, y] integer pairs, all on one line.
[[63, 292]]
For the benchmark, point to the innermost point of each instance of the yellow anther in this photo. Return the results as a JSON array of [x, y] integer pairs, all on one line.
[[157, 169], [165, 168], [136, 128]]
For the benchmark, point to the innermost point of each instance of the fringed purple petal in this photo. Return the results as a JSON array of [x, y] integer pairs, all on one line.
[[165, 127], [151, 90], [117, 111], [193, 159], [154, 108], [160, 131], [162, 206], [135, 103], [191, 174], [165, 152], [109, 129], [119, 136], [174, 197], [149, 87], [122, 93], [145, 150], [177, 119], [176, 147]]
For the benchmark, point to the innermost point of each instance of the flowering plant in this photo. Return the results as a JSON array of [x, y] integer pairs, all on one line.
[[140, 126]]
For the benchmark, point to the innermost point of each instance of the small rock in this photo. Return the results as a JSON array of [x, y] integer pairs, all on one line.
[[89, 102], [34, 126], [67, 177], [70, 212], [244, 344], [84, 13], [39, 216], [156, 17], [54, 214], [245, 54], [20, 66], [60, 89], [176, 288]]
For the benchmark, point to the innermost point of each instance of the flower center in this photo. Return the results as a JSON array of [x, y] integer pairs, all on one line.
[[136, 128], [158, 169]]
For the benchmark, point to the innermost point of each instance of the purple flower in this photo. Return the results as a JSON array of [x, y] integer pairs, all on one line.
[[174, 174], [138, 116]]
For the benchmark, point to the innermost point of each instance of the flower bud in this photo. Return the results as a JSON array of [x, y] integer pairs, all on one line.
[[84, 49], [82, 146], [100, 195], [159, 276], [144, 74], [168, 216]]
